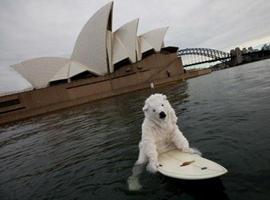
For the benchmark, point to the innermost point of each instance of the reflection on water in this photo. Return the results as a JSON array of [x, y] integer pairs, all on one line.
[[87, 152]]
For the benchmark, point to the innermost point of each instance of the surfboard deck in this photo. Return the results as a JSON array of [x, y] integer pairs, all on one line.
[[180, 165]]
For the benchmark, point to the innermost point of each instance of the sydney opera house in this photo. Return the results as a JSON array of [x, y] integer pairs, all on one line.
[[103, 63]]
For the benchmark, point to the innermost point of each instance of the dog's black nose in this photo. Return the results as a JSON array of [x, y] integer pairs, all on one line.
[[162, 115]]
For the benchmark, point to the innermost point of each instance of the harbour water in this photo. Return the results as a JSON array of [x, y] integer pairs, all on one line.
[[87, 152]]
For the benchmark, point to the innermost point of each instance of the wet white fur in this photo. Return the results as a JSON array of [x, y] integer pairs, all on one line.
[[158, 136]]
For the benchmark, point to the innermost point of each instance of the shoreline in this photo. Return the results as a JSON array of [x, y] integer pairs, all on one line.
[[28, 104]]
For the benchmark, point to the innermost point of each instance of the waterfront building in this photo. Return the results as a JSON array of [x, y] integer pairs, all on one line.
[[103, 63]]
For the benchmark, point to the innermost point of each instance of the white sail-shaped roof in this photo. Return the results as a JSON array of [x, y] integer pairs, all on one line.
[[69, 70], [138, 49], [12, 82], [91, 46], [124, 42], [119, 51], [151, 40], [39, 71], [144, 45], [109, 50]]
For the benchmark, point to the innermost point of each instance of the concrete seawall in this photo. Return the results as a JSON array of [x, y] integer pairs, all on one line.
[[194, 73]]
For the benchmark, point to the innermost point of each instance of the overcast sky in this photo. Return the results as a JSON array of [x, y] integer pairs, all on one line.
[[34, 28]]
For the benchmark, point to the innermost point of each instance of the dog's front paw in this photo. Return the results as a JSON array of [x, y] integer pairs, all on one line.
[[193, 151], [133, 183], [152, 167], [196, 151]]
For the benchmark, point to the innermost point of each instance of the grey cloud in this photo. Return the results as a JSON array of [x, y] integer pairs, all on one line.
[[49, 27]]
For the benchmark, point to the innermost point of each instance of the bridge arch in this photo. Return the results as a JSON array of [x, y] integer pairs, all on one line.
[[212, 54]]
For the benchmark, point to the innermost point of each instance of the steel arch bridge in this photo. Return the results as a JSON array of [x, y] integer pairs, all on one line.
[[210, 55]]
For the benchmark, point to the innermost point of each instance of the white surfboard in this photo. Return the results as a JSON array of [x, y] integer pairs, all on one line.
[[177, 164]]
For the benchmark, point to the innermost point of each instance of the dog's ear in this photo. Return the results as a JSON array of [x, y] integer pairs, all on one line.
[[145, 108], [164, 97]]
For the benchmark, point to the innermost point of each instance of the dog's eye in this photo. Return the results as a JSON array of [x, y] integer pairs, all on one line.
[[162, 105], [154, 110]]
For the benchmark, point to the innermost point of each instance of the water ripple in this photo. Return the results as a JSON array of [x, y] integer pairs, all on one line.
[[87, 152]]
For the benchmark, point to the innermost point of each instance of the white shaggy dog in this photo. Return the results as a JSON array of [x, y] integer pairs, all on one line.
[[160, 133]]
